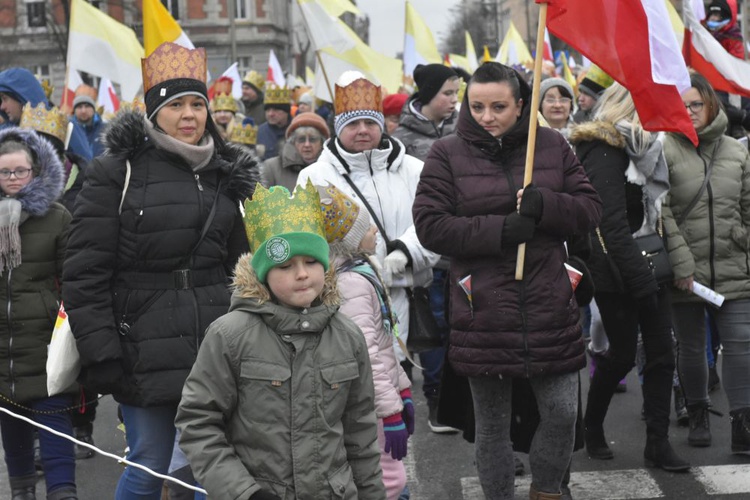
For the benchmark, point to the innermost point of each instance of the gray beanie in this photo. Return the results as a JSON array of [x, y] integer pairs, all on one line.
[[555, 82], [83, 99]]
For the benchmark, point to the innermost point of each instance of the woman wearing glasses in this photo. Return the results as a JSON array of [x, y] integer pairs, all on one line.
[[33, 234], [706, 216], [304, 143], [557, 104]]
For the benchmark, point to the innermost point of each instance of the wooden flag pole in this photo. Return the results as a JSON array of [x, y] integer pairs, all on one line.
[[325, 76], [533, 121]]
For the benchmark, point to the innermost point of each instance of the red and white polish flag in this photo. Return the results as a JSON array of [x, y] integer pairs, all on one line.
[[107, 97], [275, 74]]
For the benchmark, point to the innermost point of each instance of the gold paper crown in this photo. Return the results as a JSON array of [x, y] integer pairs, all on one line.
[[599, 77], [277, 95], [136, 104], [255, 79], [244, 134], [272, 212], [170, 61], [359, 95], [86, 90], [48, 88], [224, 102], [339, 212], [51, 122]]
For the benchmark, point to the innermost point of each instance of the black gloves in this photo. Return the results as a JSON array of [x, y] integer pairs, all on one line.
[[532, 203], [104, 377], [517, 229], [263, 495]]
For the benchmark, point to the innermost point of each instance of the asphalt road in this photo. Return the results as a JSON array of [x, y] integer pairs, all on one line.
[[441, 467]]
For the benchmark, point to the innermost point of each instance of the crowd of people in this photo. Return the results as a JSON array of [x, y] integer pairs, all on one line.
[[239, 275]]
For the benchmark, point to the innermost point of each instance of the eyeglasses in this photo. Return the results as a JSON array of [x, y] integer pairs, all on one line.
[[20, 173], [559, 100], [312, 139], [695, 106]]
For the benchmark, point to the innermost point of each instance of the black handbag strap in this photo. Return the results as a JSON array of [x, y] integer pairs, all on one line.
[[697, 197], [369, 209]]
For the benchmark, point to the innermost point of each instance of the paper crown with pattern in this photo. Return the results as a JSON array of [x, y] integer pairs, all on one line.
[[360, 95], [171, 61], [255, 79], [280, 227], [47, 87], [224, 102], [345, 221], [47, 121], [244, 134], [274, 94]]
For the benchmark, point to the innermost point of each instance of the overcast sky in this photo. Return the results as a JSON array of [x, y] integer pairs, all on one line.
[[387, 21]]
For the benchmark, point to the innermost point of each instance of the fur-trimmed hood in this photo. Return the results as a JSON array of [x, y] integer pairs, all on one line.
[[48, 182], [246, 284], [597, 131], [127, 135]]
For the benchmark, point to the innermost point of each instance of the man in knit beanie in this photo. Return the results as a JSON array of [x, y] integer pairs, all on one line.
[[85, 115], [278, 106], [374, 169], [427, 116], [592, 86]]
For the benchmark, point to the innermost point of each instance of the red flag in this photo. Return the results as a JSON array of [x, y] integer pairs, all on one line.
[[72, 81], [705, 55], [633, 42]]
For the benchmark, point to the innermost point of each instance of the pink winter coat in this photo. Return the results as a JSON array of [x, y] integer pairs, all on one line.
[[360, 303]]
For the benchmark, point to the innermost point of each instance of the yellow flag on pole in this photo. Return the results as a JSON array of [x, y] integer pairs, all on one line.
[[486, 55], [568, 74], [159, 26], [419, 44], [471, 54], [513, 50]]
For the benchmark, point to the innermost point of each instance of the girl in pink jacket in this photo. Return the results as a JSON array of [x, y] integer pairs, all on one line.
[[352, 237]]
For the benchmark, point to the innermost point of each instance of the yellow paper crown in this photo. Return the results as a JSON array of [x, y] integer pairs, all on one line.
[[599, 77], [277, 95], [272, 212], [48, 88], [255, 79], [244, 134], [224, 102], [359, 95], [339, 212], [51, 122], [171, 61]]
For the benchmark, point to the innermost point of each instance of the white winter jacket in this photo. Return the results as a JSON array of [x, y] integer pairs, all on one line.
[[388, 179]]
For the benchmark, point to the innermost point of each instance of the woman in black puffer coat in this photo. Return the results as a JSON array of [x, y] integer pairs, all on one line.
[[155, 233]]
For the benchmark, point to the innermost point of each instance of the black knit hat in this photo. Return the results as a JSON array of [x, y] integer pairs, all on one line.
[[430, 78], [287, 108], [159, 95]]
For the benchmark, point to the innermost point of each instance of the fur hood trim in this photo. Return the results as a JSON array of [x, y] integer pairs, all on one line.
[[247, 285], [126, 135], [48, 182], [597, 131]]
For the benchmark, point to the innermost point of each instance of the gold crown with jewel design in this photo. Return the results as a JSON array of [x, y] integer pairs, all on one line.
[[272, 212], [359, 95], [224, 102], [171, 61], [51, 122], [274, 94], [244, 134], [255, 79]]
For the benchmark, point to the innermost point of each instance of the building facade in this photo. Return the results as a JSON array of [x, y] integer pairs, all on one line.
[[33, 33]]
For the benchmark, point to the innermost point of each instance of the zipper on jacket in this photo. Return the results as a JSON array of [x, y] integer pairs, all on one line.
[[712, 234], [198, 182], [10, 336]]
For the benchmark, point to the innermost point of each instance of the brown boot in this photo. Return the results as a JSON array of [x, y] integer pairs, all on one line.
[[540, 495]]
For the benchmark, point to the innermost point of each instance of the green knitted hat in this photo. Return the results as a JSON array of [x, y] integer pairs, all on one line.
[[280, 227]]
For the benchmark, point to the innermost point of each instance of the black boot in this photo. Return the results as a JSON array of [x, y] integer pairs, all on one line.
[[659, 453], [700, 431], [596, 444], [23, 487], [65, 493], [740, 430], [84, 434]]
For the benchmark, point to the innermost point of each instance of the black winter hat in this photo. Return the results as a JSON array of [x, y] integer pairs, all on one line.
[[721, 7], [429, 78]]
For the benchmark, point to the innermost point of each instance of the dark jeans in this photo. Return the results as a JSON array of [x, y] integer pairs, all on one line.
[[58, 457], [621, 319], [432, 361]]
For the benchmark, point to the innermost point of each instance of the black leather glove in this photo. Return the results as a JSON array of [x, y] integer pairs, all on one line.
[[104, 377], [263, 495], [517, 229], [532, 203], [648, 303]]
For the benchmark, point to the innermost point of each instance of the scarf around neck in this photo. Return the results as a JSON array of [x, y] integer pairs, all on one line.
[[196, 156], [648, 168], [10, 239]]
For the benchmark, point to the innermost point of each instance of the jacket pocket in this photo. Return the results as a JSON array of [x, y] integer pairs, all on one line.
[[336, 382], [268, 382], [342, 483]]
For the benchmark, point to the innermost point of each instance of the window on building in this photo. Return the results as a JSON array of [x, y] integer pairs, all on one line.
[[242, 9], [173, 6], [36, 14], [244, 64]]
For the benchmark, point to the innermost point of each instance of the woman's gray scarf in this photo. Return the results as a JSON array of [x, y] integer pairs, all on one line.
[[196, 156], [11, 217], [648, 168]]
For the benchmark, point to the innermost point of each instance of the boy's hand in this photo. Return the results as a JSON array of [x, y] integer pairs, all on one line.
[[407, 414], [396, 436]]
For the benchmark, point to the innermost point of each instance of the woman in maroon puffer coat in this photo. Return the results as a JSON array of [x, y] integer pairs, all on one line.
[[471, 208]]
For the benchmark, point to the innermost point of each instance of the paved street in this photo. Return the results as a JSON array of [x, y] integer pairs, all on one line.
[[441, 467]]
